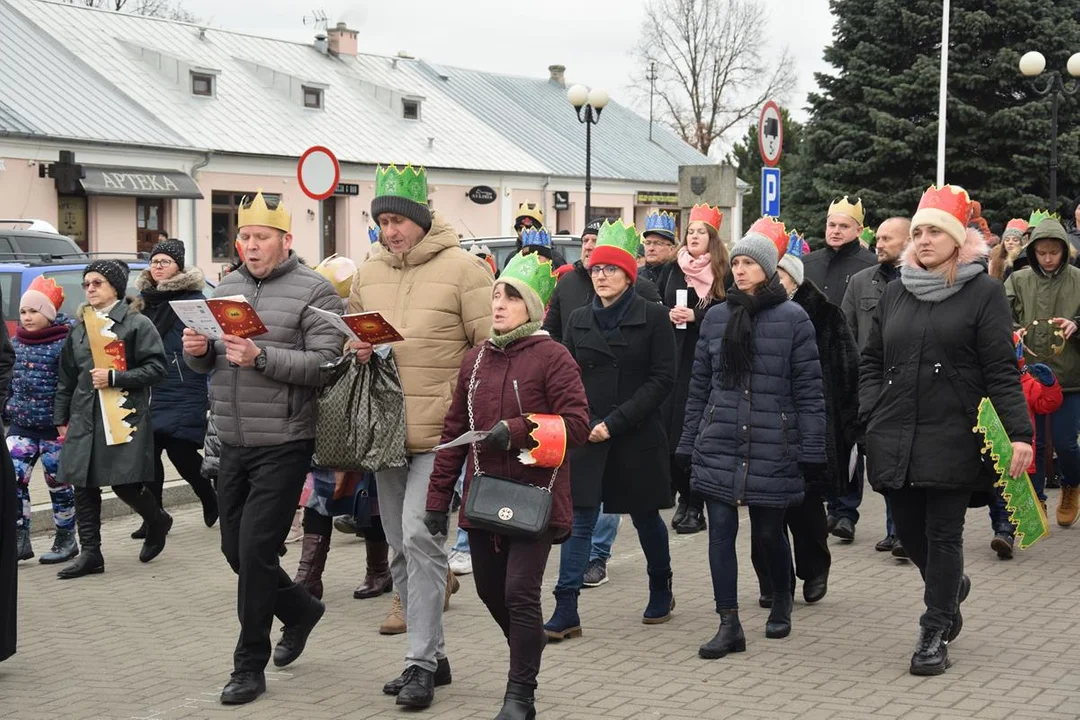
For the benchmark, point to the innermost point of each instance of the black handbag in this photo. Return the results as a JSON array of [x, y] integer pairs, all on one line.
[[504, 505]]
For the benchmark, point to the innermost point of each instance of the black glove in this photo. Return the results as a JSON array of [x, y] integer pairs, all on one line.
[[436, 522], [684, 462], [499, 439], [815, 473]]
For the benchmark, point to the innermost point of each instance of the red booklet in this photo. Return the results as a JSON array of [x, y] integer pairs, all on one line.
[[236, 317], [372, 328]]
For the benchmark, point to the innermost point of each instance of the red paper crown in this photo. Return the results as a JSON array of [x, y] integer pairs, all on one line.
[[707, 214], [949, 199], [48, 288], [239, 250], [550, 438], [1017, 224], [773, 229]]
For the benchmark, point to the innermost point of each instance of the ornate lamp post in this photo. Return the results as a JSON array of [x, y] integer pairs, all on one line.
[[1032, 65], [588, 104]]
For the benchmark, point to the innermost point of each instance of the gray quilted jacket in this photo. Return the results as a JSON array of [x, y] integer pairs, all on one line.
[[259, 409]]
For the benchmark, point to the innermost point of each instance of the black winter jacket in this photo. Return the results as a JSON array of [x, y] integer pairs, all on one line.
[[575, 290], [831, 270]]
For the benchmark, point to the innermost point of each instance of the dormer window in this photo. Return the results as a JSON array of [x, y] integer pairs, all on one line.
[[202, 84], [410, 109], [313, 98]]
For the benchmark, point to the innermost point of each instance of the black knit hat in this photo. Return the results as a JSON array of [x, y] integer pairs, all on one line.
[[593, 228], [115, 271], [419, 214], [172, 248]]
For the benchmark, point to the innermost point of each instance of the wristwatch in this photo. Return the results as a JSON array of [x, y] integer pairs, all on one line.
[[260, 361]]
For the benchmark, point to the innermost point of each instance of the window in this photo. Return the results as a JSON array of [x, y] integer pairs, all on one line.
[[11, 291], [225, 218], [202, 84], [313, 98], [410, 109]]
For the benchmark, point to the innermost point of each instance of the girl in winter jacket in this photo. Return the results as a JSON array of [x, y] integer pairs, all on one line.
[[31, 434], [755, 426], [940, 342], [519, 371]]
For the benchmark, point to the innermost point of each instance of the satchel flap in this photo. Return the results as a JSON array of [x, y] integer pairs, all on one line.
[[502, 502]]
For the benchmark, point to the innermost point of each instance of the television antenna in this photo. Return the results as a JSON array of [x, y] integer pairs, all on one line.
[[317, 19]]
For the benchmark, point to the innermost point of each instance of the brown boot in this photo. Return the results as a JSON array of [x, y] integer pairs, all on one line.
[[452, 586], [1067, 506], [312, 562], [377, 580], [394, 624]]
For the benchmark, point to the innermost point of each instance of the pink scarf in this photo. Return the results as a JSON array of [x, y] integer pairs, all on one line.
[[698, 272]]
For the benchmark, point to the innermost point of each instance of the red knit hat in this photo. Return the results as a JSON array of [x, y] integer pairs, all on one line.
[[617, 244]]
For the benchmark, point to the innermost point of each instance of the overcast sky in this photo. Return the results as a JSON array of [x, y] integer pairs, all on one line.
[[593, 38]]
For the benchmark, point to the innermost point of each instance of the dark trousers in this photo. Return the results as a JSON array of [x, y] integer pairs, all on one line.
[[508, 574], [809, 538], [930, 525], [185, 457], [88, 499], [574, 555], [258, 491], [1064, 425], [766, 532], [680, 479]]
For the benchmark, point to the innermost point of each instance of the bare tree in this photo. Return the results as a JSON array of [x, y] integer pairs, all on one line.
[[168, 9], [712, 68]]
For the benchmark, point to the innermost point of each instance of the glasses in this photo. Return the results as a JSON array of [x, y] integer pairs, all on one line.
[[164, 263], [658, 243], [608, 270], [87, 284]]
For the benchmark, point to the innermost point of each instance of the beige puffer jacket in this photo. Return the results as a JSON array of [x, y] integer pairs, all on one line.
[[438, 297]]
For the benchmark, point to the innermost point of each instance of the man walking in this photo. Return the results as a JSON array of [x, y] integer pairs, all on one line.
[[438, 297], [262, 397]]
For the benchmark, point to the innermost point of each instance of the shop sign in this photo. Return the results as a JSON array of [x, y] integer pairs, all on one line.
[[562, 200], [347, 189], [481, 195], [646, 197]]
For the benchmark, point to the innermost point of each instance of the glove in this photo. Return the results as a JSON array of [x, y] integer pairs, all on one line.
[[814, 473], [1042, 373], [499, 439], [684, 462], [436, 522]]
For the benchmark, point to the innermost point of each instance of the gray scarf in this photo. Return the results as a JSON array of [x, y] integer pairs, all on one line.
[[929, 286]]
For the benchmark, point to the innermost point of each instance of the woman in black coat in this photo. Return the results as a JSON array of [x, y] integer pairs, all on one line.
[[940, 342], [702, 271], [625, 348], [9, 508], [755, 426]]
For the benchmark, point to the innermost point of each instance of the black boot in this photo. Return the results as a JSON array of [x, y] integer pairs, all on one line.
[[88, 519], [1002, 544], [931, 653], [157, 490], [661, 600], [779, 623], [419, 688], [63, 549], [25, 551], [205, 492], [158, 523], [728, 639], [518, 703], [680, 513], [302, 612], [693, 522], [243, 687]]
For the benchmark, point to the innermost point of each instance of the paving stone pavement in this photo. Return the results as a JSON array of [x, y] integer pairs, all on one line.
[[154, 642]]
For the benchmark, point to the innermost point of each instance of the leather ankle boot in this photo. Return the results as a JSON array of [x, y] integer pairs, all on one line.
[[158, 524], [312, 563], [779, 623], [518, 703], [661, 600], [728, 639], [377, 579]]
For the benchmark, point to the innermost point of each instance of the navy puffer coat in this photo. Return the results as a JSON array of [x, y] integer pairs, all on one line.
[[747, 442]]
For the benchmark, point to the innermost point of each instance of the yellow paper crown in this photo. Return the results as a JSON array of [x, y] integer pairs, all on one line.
[[257, 213], [844, 207]]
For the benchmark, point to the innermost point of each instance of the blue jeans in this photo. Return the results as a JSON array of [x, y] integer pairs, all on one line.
[[574, 555], [603, 537], [847, 505], [462, 544], [767, 533], [999, 516], [1064, 424], [890, 526]]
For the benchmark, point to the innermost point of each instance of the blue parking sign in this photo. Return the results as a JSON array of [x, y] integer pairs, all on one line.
[[770, 191]]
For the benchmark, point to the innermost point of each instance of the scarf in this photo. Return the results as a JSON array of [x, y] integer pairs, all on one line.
[[737, 349], [159, 310], [46, 335], [699, 274], [608, 318], [521, 331], [929, 286]]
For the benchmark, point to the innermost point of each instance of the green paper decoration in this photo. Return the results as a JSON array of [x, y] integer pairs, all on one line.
[[1039, 215], [1025, 510], [867, 236], [534, 270], [616, 234], [408, 182]]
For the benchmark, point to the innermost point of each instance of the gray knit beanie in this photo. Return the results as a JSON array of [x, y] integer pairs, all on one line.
[[794, 267], [419, 214], [758, 248]]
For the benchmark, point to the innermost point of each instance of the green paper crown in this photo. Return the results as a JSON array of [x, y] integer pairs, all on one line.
[[534, 270], [408, 182], [1039, 215], [867, 236], [623, 237]]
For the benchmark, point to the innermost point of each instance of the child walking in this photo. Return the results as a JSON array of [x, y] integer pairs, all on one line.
[[31, 435]]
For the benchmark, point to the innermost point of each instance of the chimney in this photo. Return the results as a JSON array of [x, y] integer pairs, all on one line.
[[320, 43], [342, 40], [558, 74]]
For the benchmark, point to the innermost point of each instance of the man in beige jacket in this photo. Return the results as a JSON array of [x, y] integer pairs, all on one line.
[[438, 297]]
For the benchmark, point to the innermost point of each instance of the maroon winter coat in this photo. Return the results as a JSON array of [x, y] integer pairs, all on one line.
[[549, 382]]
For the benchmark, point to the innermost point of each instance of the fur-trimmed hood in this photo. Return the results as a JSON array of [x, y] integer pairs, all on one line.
[[189, 279], [974, 250]]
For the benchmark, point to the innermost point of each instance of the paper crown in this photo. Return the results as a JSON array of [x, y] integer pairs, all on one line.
[[408, 182], [1039, 215], [535, 271], [257, 212], [619, 236], [774, 230], [796, 245], [844, 207], [536, 237], [48, 288], [373, 234], [1017, 225], [949, 199], [707, 214], [484, 253], [529, 210], [239, 249], [661, 223], [867, 236], [339, 271], [550, 438]]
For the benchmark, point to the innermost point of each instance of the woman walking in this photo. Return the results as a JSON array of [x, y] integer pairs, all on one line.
[[625, 348], [87, 460], [755, 427], [690, 286], [940, 342], [178, 405], [518, 372]]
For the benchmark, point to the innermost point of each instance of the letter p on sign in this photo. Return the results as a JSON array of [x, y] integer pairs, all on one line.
[[770, 192]]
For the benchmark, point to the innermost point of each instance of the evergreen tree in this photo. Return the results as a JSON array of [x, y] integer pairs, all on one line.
[[873, 125]]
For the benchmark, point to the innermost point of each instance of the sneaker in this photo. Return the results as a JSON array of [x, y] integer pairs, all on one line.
[[595, 573], [460, 562]]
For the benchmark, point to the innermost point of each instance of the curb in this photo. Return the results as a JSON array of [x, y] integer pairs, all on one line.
[[177, 493]]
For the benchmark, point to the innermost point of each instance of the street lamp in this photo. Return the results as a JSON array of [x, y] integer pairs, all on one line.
[[588, 104], [1032, 64]]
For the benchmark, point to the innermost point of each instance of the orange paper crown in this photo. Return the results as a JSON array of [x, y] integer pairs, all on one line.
[[707, 214], [773, 229], [550, 438], [949, 199], [1018, 224], [48, 288]]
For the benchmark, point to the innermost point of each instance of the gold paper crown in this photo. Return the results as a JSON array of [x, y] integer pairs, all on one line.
[[844, 207], [257, 213]]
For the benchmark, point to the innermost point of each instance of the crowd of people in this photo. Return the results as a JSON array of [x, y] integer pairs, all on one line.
[[660, 370]]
